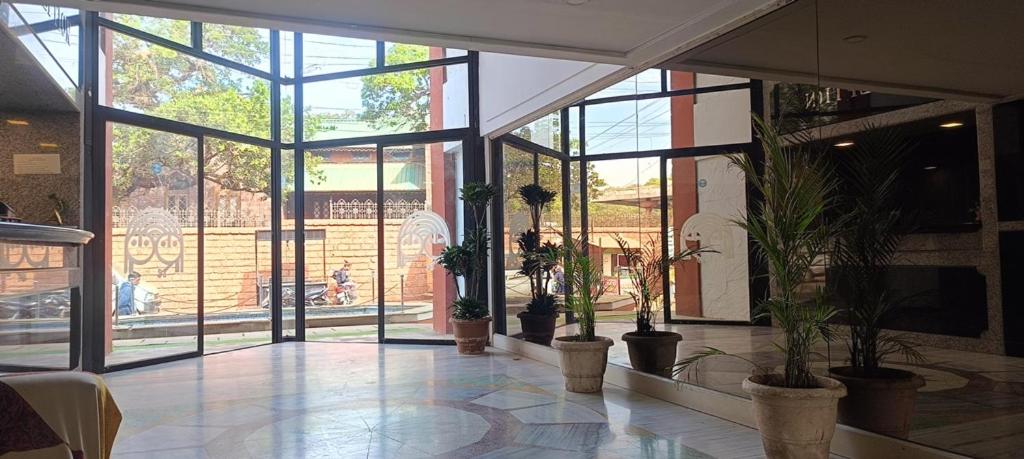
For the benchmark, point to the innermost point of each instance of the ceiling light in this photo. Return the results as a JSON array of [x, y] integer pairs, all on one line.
[[575, 2], [17, 122], [951, 125], [48, 145], [930, 168], [854, 39], [844, 144]]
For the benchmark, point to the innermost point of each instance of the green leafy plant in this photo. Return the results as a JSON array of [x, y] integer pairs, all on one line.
[[586, 284], [538, 261], [868, 239], [468, 260], [646, 268], [790, 235]]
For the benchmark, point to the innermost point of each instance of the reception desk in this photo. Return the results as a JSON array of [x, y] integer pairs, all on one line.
[[40, 299]]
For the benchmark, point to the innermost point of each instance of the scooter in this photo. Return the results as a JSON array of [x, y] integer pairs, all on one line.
[[346, 293]]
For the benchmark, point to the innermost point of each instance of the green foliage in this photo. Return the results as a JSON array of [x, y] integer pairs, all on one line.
[[398, 101], [647, 268], [469, 309], [867, 241], [790, 235], [161, 82], [539, 259], [584, 279], [469, 259]]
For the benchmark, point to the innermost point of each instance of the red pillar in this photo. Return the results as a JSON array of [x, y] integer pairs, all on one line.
[[687, 299], [442, 196]]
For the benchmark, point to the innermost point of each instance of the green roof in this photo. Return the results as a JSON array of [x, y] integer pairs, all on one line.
[[363, 177]]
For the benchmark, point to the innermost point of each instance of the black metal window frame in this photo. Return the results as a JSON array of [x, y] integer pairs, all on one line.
[[758, 283], [97, 116]]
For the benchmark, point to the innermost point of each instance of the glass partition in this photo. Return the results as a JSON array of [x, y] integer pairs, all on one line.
[[422, 210], [236, 211], [342, 237], [154, 244]]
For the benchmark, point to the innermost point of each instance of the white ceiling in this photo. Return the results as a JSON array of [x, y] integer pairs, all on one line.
[[955, 49], [635, 33]]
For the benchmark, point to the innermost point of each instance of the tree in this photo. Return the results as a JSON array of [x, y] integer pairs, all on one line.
[[398, 101], [161, 82], [401, 101]]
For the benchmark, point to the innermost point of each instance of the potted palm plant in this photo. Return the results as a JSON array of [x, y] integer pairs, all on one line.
[[468, 261], [583, 357], [880, 399], [650, 350], [794, 410], [538, 320]]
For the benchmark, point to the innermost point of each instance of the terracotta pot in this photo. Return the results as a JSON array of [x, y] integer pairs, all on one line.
[[537, 328], [883, 403], [795, 423], [583, 362], [471, 335], [654, 352]]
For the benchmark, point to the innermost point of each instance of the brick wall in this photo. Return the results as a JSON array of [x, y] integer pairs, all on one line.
[[231, 265]]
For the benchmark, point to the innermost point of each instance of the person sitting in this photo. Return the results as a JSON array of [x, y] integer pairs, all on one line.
[[126, 295]]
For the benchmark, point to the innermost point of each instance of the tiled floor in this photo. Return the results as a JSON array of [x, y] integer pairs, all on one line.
[[972, 403], [365, 400]]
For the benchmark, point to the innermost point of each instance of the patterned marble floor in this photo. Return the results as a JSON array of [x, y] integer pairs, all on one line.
[[336, 400], [972, 403]]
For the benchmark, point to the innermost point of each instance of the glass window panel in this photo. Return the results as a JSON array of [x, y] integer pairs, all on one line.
[[545, 131], [402, 53], [518, 167], [644, 82], [161, 82], [705, 194], [176, 30], [341, 242], [329, 54], [287, 53], [237, 267], [421, 184], [390, 103], [288, 246], [287, 113], [153, 233], [623, 201], [716, 118], [574, 131], [628, 126], [245, 45]]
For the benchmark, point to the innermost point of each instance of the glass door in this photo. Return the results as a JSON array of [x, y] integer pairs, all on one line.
[[154, 244], [422, 213], [340, 213]]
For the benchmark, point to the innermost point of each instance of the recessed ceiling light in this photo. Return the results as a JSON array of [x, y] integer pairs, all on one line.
[[48, 145], [576, 2], [17, 122], [951, 125], [853, 39], [844, 144], [930, 168]]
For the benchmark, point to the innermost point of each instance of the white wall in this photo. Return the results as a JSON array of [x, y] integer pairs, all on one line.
[[514, 90]]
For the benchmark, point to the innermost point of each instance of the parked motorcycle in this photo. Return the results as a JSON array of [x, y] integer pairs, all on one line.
[[316, 295]]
